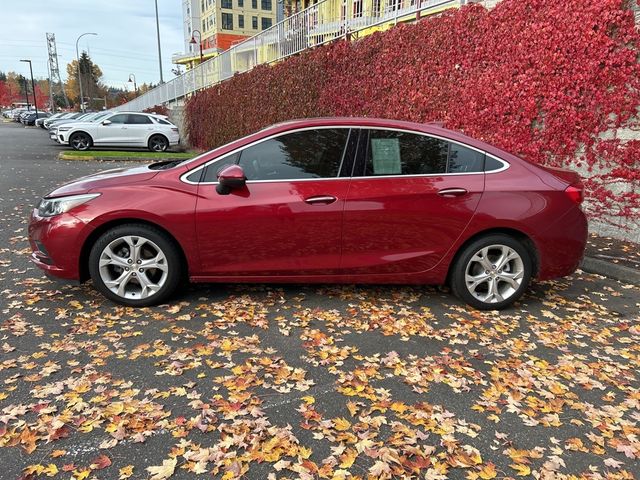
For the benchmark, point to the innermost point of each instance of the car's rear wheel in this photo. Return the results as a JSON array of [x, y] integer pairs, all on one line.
[[492, 272], [136, 265], [80, 141], [158, 143]]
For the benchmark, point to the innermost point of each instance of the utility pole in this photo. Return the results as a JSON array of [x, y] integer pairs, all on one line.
[[79, 76], [54, 71], [159, 50], [33, 87], [52, 107]]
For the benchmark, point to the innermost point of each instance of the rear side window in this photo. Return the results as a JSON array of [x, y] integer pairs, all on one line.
[[316, 153], [401, 153], [491, 164], [162, 121], [138, 119], [464, 160]]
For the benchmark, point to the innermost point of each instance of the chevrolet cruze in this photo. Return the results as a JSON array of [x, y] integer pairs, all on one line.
[[349, 200]]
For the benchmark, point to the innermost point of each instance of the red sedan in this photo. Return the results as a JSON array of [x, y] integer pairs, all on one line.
[[349, 200]]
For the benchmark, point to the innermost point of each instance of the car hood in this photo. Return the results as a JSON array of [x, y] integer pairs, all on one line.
[[107, 178], [75, 124]]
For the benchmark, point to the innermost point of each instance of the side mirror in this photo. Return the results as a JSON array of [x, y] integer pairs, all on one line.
[[230, 178], [106, 122]]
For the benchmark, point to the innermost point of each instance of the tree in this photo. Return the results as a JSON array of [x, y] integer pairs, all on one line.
[[92, 86]]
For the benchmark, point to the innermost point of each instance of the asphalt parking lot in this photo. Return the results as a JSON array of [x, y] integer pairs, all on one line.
[[269, 381]]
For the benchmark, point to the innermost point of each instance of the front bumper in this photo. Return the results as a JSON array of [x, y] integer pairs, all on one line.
[[56, 243]]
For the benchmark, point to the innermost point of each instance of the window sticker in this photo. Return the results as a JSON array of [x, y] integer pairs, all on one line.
[[385, 153]]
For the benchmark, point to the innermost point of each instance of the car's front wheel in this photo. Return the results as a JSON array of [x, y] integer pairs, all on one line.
[[492, 272], [80, 141], [158, 143], [136, 265]]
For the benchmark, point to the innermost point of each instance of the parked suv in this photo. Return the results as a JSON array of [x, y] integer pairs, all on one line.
[[121, 129]]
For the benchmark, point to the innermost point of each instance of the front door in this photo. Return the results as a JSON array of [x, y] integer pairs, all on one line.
[[411, 198], [287, 220], [113, 132]]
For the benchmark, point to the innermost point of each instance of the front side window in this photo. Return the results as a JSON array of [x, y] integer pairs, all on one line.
[[401, 153], [122, 118], [314, 153], [211, 174], [227, 21]]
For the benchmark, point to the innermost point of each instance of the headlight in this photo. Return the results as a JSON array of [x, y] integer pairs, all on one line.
[[50, 207], [63, 129]]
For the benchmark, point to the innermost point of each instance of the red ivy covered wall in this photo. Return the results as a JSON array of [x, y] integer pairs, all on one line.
[[544, 79]]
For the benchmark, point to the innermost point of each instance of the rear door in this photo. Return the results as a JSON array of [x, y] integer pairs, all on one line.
[[411, 197], [287, 221], [138, 128]]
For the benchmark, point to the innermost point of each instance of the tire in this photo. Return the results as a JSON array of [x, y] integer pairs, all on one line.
[[115, 252], [80, 141], [481, 279], [158, 143]]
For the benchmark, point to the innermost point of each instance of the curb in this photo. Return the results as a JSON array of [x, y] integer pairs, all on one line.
[[611, 270], [63, 156]]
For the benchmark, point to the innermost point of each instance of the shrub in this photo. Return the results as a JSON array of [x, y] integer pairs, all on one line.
[[548, 81]]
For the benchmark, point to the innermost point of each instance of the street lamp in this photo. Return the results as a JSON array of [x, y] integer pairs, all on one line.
[[135, 86], [79, 77], [33, 87], [193, 41]]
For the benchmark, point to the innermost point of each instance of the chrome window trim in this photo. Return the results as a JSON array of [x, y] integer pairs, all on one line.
[[505, 164]]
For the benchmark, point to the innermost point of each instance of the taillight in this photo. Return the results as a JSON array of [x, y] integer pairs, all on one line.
[[575, 192]]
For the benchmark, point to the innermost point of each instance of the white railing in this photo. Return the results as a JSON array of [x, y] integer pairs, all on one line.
[[323, 22]]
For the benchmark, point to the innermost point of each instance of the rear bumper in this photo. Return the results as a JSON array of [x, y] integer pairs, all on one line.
[[561, 247]]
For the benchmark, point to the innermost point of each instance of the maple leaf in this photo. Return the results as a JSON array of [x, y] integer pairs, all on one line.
[[380, 469], [613, 463], [163, 471], [341, 424], [522, 470], [125, 472], [488, 471], [101, 462]]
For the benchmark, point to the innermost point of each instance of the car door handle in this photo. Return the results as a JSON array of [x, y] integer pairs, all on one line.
[[452, 192], [321, 200]]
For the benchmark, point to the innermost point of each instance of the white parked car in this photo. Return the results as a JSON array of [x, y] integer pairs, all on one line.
[[121, 129]]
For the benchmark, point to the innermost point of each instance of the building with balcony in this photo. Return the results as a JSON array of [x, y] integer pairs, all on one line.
[[220, 24]]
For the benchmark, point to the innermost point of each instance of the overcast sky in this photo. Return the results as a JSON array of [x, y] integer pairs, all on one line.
[[126, 41]]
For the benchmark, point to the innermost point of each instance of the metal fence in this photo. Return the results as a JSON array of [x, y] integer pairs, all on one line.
[[318, 24]]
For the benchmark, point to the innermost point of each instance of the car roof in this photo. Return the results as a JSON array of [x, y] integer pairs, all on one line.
[[432, 128]]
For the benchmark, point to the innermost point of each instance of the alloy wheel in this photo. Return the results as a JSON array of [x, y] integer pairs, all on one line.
[[494, 273], [158, 144], [80, 142], [133, 267]]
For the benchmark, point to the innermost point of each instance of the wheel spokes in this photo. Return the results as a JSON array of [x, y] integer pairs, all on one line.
[[494, 273], [133, 267]]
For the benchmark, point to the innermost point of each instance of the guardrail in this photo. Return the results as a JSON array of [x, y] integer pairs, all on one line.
[[318, 24]]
